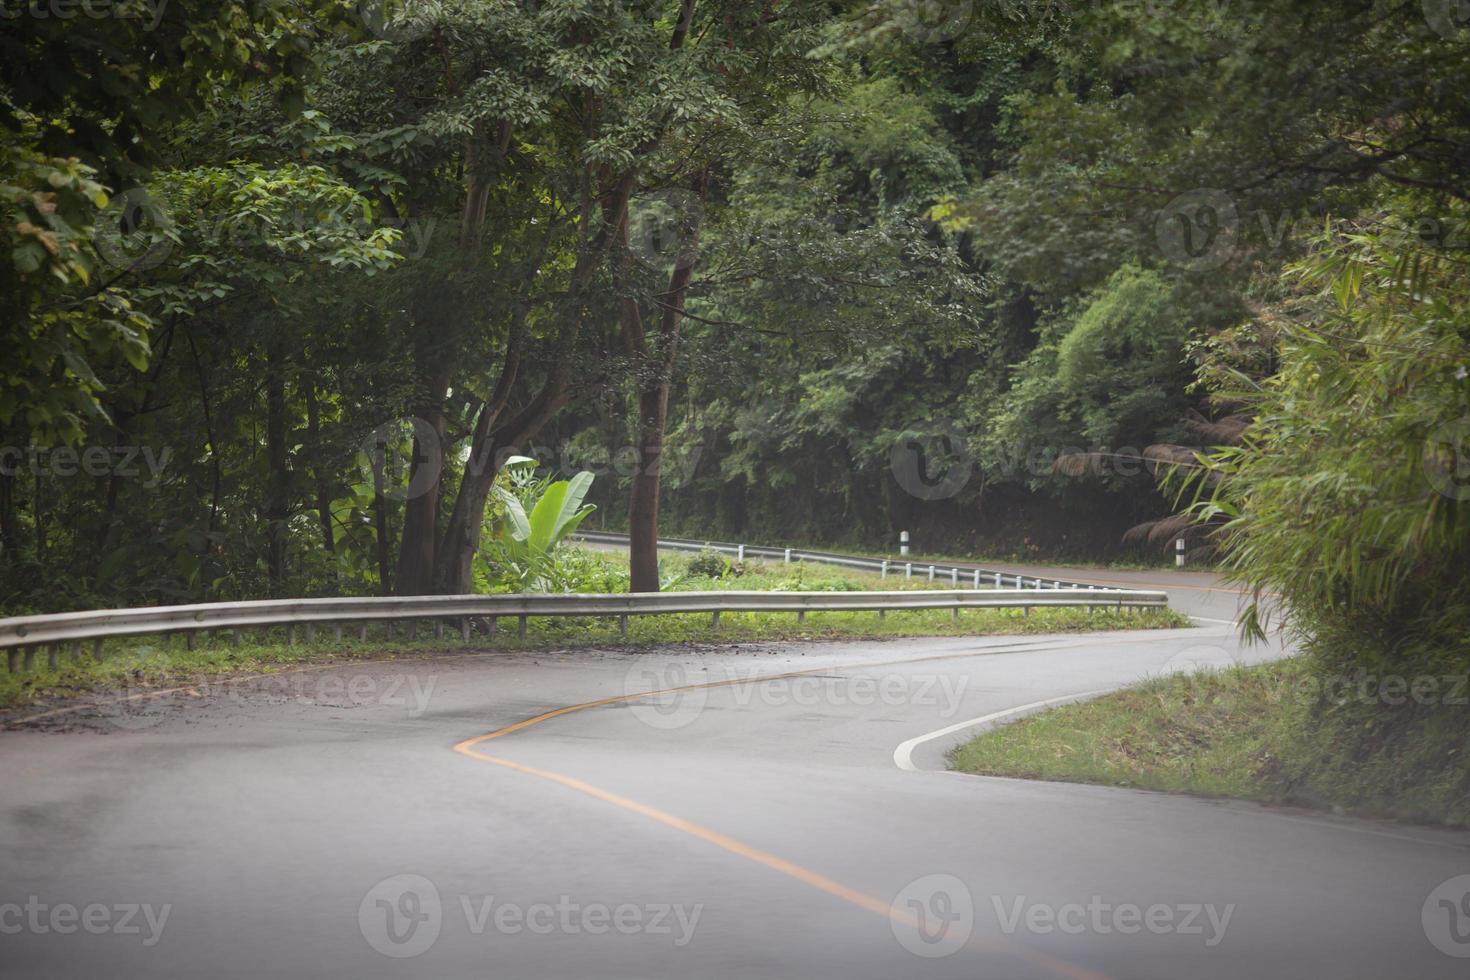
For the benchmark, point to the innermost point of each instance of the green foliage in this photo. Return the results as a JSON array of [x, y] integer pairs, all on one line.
[[943, 244], [55, 337], [708, 564], [1347, 495], [1283, 107], [1109, 374], [87, 101], [539, 515]]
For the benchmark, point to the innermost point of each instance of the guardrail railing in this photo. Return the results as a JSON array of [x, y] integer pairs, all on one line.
[[958, 575], [63, 634]]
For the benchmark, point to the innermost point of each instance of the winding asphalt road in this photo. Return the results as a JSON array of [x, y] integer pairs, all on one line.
[[783, 813]]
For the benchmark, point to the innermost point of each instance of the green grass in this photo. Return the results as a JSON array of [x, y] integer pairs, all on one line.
[[163, 661], [1259, 733]]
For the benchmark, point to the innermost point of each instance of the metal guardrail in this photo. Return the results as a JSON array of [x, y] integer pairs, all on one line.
[[24, 636], [957, 575]]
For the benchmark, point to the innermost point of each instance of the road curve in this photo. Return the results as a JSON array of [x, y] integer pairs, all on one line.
[[499, 815]]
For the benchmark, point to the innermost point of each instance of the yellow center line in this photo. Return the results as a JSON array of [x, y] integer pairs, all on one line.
[[813, 879]]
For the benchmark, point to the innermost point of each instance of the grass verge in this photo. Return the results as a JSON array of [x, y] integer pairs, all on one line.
[[1271, 733]]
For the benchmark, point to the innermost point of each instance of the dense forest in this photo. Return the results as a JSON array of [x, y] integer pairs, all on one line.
[[288, 282]]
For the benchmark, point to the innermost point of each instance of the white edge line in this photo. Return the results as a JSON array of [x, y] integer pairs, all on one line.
[[903, 755]]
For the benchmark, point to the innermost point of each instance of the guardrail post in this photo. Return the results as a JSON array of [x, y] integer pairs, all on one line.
[[290, 633], [998, 582], [337, 632], [438, 629], [884, 573], [954, 577], [490, 627], [310, 633], [521, 628], [464, 629], [931, 573], [97, 649], [787, 560], [908, 570], [800, 616], [362, 633], [12, 657], [413, 630], [51, 651], [714, 622], [977, 580], [740, 552], [623, 626], [954, 613]]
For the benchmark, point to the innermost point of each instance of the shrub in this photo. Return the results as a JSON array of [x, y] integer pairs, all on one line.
[[710, 564]]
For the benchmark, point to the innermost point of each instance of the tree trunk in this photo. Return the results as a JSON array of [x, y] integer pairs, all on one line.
[[421, 508], [462, 537], [9, 526], [653, 403], [320, 483], [39, 518], [384, 533], [655, 374], [278, 487], [210, 443]]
